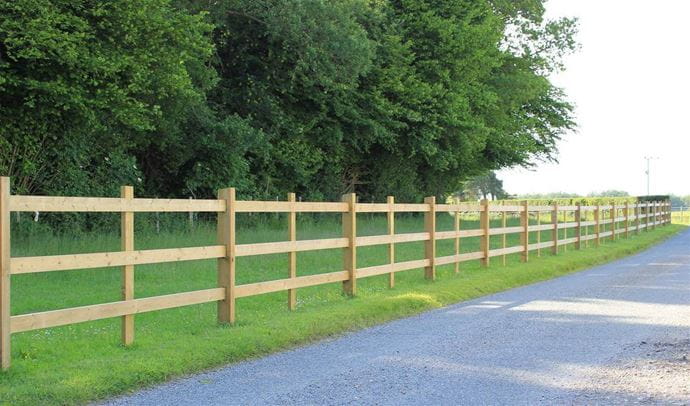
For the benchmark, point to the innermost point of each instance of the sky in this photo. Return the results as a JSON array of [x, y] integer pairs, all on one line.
[[630, 83]]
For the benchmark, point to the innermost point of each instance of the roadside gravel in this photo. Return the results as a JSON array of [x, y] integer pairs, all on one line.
[[614, 334]]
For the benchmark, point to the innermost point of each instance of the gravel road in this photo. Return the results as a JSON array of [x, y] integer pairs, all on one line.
[[613, 334]]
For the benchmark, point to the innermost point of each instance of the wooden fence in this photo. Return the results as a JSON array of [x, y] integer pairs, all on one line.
[[623, 219]]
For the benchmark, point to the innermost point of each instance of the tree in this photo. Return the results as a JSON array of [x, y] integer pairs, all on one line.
[[411, 96], [484, 186], [87, 87], [319, 97]]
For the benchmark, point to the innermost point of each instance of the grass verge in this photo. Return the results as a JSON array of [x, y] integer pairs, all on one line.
[[80, 363]]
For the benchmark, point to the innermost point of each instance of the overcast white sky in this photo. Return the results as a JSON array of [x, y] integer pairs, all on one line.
[[631, 84]]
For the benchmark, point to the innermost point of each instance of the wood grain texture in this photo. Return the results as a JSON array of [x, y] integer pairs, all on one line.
[[127, 245], [5, 328]]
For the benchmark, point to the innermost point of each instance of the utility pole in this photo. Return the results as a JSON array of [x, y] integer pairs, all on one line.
[[648, 159]]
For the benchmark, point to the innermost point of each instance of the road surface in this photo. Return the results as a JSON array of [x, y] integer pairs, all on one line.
[[617, 333]]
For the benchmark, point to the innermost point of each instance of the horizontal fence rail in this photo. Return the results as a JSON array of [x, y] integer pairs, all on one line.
[[587, 221]]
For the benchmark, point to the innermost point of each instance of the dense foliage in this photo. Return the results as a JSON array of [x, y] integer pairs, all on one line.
[[180, 98]]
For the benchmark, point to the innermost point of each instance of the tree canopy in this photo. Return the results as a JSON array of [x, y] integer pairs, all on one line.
[[180, 98]]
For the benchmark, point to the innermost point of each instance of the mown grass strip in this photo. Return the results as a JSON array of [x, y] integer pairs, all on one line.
[[79, 363]]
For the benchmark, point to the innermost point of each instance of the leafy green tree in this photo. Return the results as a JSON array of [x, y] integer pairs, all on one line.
[[87, 87]]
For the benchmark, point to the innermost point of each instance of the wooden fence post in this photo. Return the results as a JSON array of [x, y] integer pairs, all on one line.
[[127, 244], [5, 314], [654, 211], [613, 216], [638, 213], [430, 244], [391, 233], [578, 227], [627, 219], [350, 252], [504, 224], [191, 216], [457, 240], [597, 225], [524, 235], [554, 233], [226, 265], [292, 255], [586, 217], [485, 224], [538, 213], [565, 230]]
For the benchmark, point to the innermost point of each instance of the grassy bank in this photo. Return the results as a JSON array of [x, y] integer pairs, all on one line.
[[78, 363]]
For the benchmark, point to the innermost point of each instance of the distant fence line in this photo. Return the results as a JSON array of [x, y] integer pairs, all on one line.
[[624, 219]]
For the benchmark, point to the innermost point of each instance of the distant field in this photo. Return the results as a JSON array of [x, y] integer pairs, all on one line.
[[77, 363], [681, 217]]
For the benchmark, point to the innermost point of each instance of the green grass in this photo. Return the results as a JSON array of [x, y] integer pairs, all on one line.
[[83, 362]]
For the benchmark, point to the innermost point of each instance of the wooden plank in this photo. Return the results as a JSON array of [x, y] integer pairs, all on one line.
[[597, 226], [226, 264], [292, 255], [545, 244], [244, 206], [282, 247], [430, 244], [562, 226], [54, 318], [504, 225], [5, 261], [539, 230], [540, 208], [412, 208], [578, 229], [613, 213], [260, 288], [506, 230], [390, 216], [567, 241], [468, 256], [540, 227], [605, 234], [387, 239], [454, 208], [626, 211], [50, 263], [127, 245], [372, 207], [111, 204], [485, 225], [350, 251], [524, 236], [457, 224], [554, 232], [505, 251], [446, 235], [392, 268], [505, 209]]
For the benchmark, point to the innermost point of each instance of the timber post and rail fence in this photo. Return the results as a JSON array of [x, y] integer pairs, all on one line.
[[624, 219]]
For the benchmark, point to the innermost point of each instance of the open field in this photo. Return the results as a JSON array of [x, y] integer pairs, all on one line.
[[83, 362], [681, 217]]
